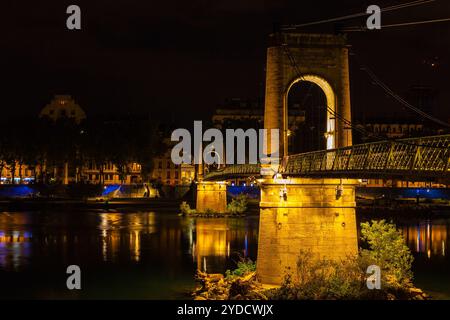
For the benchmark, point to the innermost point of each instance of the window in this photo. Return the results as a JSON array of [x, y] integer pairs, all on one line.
[[176, 174], [168, 175]]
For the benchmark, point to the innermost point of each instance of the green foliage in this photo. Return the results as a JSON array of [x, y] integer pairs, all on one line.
[[238, 205], [322, 279], [326, 279], [186, 209], [388, 250], [244, 267], [209, 211]]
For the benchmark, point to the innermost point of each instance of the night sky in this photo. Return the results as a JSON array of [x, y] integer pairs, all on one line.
[[181, 59]]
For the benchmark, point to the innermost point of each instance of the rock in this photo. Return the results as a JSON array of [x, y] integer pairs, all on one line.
[[391, 297], [415, 291], [217, 287], [215, 277]]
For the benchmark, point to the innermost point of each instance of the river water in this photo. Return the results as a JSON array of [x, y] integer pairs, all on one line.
[[154, 255]]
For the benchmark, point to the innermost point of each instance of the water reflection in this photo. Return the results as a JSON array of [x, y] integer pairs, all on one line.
[[214, 239], [428, 237], [14, 248], [149, 254], [116, 228]]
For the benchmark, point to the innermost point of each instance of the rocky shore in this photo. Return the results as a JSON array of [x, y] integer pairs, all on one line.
[[218, 287]]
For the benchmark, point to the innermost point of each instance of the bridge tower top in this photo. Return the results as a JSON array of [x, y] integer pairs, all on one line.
[[318, 58], [307, 39]]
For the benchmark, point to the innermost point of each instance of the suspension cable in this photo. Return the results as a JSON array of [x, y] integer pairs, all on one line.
[[396, 96], [357, 15], [404, 24], [348, 122]]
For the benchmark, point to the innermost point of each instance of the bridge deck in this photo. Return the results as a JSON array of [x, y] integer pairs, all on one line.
[[426, 157]]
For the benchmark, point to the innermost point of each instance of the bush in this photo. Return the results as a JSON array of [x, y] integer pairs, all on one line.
[[238, 205], [346, 279], [244, 267], [322, 279], [186, 209], [210, 212], [387, 249]]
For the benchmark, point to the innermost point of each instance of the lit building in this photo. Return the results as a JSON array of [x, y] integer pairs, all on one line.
[[168, 173], [109, 174], [244, 114], [21, 174], [63, 106], [395, 129]]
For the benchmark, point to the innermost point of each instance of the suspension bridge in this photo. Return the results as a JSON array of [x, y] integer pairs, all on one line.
[[309, 202]]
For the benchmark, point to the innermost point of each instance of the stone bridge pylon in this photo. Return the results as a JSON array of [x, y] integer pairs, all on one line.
[[316, 215], [321, 59]]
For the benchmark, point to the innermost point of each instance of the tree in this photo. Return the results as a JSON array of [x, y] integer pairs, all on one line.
[[387, 249]]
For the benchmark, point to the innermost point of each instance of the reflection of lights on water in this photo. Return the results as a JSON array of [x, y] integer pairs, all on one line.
[[137, 246], [428, 238], [14, 246], [246, 245], [418, 239], [104, 245], [104, 222], [104, 249], [191, 235]]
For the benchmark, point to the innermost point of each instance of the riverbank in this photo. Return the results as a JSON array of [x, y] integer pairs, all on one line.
[[71, 204], [424, 211], [247, 287]]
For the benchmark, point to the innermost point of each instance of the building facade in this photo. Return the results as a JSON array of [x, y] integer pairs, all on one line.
[[89, 171], [63, 106]]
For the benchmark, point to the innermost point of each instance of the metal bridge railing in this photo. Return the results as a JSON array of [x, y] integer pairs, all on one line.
[[238, 170], [429, 155]]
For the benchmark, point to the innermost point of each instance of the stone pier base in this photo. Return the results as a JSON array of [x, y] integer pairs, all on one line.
[[304, 214], [211, 195]]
